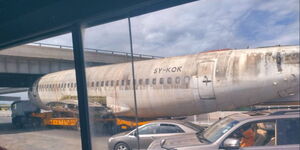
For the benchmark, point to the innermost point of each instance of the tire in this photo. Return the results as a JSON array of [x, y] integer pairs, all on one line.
[[36, 123], [121, 146], [16, 123]]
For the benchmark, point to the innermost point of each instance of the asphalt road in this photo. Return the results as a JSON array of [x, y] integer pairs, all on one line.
[[44, 138]]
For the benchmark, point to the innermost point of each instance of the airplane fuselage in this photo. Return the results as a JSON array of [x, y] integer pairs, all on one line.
[[183, 85]]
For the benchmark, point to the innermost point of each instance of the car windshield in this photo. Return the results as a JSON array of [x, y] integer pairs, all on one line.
[[193, 126], [219, 128]]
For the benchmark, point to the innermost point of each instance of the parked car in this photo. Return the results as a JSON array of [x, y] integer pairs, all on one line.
[[261, 130], [151, 131]]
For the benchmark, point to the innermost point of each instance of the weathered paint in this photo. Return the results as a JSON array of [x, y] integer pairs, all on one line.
[[238, 78]]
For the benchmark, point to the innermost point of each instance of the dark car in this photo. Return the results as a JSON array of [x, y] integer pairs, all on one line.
[[263, 130], [150, 132]]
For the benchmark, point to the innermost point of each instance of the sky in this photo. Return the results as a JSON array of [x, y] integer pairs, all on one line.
[[199, 26]]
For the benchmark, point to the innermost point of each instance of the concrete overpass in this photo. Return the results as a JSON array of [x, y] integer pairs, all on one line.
[[21, 66]]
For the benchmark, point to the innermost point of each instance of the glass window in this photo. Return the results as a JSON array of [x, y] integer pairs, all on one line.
[[117, 83], [256, 134], [161, 80], [102, 83], [149, 129], [215, 131], [106, 83], [93, 84], [169, 80], [186, 79], [288, 131], [169, 128], [123, 82], [97, 84], [147, 81], [128, 82], [111, 83], [154, 81], [55, 59], [140, 81], [177, 80]]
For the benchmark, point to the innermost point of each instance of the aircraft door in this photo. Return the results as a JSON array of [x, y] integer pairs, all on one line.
[[205, 79]]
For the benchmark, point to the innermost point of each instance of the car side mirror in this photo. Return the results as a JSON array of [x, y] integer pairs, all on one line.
[[231, 143], [135, 134], [162, 143]]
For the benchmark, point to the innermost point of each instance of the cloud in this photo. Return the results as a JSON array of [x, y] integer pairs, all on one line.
[[199, 26]]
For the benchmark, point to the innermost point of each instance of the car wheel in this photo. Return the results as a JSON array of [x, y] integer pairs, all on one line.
[[122, 146]]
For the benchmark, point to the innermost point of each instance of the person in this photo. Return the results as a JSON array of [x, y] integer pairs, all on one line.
[[261, 134], [248, 135]]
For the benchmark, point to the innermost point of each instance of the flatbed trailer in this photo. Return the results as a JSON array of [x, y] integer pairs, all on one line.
[[27, 115]]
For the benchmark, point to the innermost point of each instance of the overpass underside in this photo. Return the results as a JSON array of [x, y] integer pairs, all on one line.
[[22, 66], [17, 80]]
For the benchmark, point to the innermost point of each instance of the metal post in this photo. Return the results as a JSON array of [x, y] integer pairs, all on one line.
[[78, 51], [134, 91]]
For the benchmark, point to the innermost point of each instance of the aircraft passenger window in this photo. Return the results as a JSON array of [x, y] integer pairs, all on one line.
[[140, 81], [106, 83], [169, 80], [97, 84], [186, 79], [128, 82], [161, 80], [111, 83], [147, 81], [123, 82], [102, 83], [177, 80], [154, 81], [117, 83]]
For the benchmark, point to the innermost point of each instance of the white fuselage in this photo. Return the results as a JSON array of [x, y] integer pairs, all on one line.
[[183, 85]]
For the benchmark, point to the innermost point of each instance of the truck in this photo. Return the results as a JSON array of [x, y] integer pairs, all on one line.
[[26, 114]]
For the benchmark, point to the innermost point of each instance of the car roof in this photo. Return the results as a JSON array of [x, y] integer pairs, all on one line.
[[265, 114], [169, 121]]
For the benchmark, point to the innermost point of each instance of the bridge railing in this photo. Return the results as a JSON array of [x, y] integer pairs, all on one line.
[[96, 50]]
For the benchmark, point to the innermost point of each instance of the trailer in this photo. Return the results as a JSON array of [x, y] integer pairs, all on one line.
[[25, 114]]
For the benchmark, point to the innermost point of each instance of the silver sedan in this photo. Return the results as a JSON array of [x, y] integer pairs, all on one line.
[[150, 132]]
